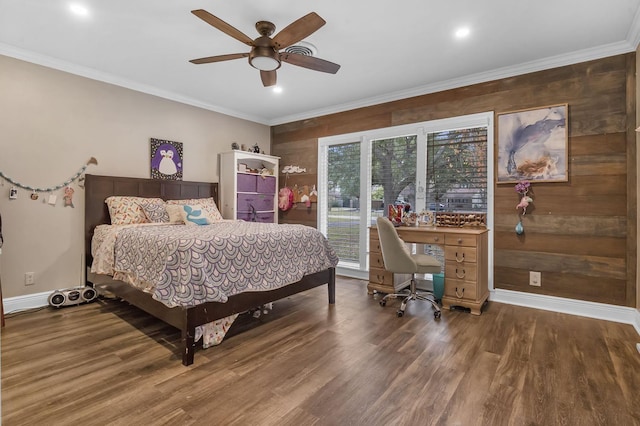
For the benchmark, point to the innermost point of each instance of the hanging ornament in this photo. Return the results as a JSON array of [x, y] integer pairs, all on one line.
[[34, 195], [68, 196], [519, 228]]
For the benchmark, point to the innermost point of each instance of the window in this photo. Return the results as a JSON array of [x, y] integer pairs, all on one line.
[[442, 165]]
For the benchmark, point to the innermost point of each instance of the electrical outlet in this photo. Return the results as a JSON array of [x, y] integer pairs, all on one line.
[[535, 279], [29, 278]]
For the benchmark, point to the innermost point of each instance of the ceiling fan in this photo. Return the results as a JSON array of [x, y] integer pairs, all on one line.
[[265, 52]]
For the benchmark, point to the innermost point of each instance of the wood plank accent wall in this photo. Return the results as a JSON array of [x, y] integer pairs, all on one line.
[[580, 234]]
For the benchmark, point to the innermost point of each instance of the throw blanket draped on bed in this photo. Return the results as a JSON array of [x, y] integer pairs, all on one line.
[[188, 265]]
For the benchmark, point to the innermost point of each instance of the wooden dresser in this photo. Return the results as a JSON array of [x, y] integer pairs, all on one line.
[[466, 269]]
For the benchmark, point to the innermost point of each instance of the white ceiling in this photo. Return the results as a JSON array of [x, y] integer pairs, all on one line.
[[387, 50]]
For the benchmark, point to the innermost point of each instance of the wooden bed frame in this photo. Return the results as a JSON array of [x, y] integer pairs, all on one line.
[[98, 188]]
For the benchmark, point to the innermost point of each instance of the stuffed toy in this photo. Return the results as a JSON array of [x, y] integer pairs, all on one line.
[[285, 199]]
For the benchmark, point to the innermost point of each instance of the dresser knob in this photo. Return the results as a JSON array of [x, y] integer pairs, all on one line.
[[436, 239], [459, 240]]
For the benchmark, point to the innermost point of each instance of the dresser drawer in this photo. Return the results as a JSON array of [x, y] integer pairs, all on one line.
[[460, 290], [375, 260], [266, 184], [265, 217], [258, 202], [460, 240], [461, 271], [460, 254], [246, 183]]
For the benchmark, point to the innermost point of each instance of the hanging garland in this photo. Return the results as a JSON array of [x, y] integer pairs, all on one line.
[[73, 178]]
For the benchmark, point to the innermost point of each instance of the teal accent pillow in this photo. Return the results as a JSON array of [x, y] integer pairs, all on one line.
[[194, 215]]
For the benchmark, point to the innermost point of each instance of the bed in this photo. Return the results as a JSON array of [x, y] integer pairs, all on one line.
[[184, 317]]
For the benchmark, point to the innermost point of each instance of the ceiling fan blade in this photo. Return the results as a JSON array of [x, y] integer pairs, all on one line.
[[268, 78], [222, 26], [298, 30], [219, 58], [310, 62]]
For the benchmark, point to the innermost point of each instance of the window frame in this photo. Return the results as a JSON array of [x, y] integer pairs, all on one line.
[[365, 138]]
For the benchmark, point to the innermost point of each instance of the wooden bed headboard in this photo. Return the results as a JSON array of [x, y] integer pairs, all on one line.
[[98, 188]]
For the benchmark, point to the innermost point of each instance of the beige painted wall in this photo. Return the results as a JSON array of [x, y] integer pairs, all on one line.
[[51, 123]]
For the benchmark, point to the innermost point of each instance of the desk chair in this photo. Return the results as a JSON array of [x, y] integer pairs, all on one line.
[[399, 260]]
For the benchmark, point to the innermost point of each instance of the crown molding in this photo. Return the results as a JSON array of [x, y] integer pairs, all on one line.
[[629, 45], [497, 74], [93, 74]]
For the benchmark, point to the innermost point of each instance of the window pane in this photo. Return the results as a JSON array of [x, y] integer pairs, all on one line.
[[343, 215], [393, 173], [457, 170]]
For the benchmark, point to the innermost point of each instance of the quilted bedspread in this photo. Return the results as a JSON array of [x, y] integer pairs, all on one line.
[[188, 265]]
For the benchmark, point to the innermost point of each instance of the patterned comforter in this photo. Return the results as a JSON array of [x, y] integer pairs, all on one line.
[[188, 265]]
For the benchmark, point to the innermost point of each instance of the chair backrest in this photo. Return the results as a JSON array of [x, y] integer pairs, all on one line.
[[395, 254]]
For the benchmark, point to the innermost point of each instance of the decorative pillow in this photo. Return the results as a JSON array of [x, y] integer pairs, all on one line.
[[208, 204], [175, 213], [194, 214], [125, 210], [154, 211]]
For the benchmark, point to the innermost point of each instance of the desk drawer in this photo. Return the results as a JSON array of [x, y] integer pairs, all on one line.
[[460, 290], [460, 254], [375, 260], [380, 276], [418, 237], [374, 243], [461, 271], [460, 240]]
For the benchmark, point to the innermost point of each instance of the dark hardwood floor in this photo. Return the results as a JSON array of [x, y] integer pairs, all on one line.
[[308, 363]]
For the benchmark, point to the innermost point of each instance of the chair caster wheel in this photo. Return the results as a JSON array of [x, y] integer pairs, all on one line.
[[399, 313], [437, 314], [383, 303]]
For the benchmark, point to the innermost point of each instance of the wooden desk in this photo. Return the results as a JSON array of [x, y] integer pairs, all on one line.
[[466, 264]]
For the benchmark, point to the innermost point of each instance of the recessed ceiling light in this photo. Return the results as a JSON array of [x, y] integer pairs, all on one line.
[[462, 32], [277, 89], [78, 9]]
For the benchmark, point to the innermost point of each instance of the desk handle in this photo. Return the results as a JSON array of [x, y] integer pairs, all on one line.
[[459, 240], [460, 260], [436, 238], [459, 296], [460, 276]]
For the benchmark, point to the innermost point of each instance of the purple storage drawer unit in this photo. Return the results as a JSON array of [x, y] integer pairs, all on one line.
[[246, 183], [266, 184], [257, 202]]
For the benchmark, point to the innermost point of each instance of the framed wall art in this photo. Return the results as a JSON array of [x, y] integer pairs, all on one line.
[[166, 159], [533, 144]]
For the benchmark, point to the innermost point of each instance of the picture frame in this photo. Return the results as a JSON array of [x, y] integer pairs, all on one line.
[[533, 145], [166, 159]]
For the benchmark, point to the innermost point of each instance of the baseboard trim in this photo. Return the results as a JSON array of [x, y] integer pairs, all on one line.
[[582, 308], [22, 303], [602, 311]]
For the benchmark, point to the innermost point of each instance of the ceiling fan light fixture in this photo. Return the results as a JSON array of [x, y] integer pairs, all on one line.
[[264, 58], [264, 63]]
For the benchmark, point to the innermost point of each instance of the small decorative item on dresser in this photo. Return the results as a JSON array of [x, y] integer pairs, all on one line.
[[234, 145], [256, 149]]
